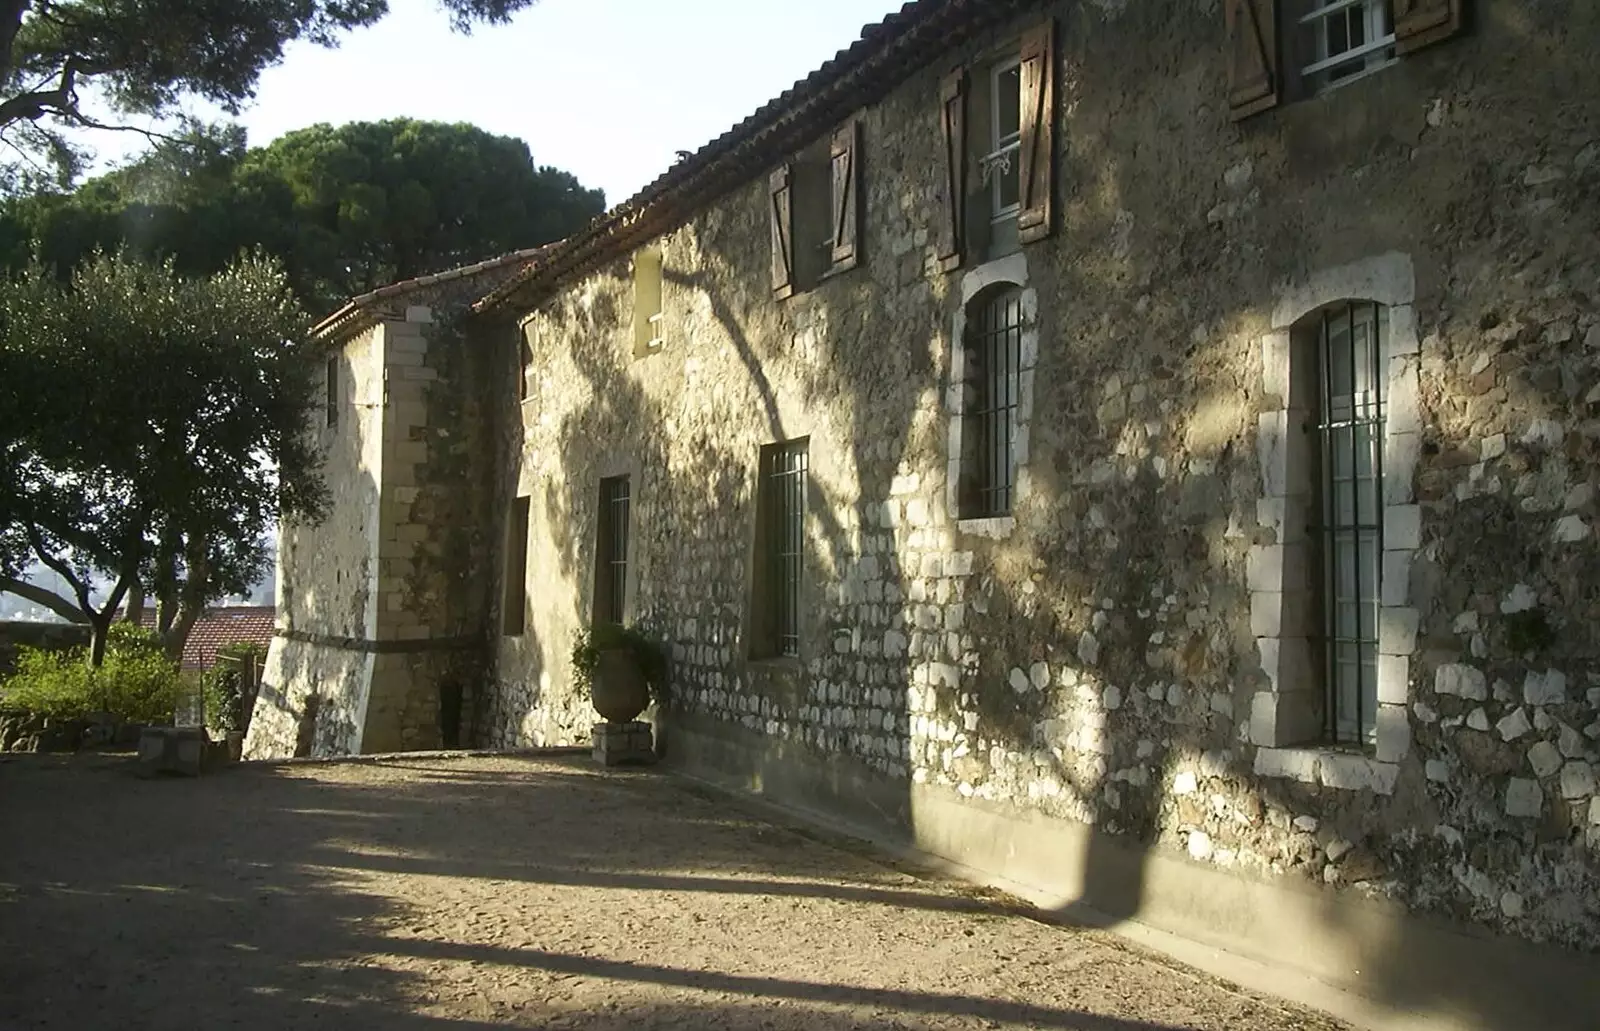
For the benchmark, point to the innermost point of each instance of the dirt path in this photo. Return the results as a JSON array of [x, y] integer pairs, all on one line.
[[492, 892]]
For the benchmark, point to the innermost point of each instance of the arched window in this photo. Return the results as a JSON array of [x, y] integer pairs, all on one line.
[[1344, 346], [991, 378]]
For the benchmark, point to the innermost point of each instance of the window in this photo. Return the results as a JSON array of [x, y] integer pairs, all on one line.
[[999, 151], [991, 377], [332, 402], [1343, 40], [649, 314], [1323, 43], [998, 169], [611, 555], [525, 359], [780, 550], [514, 610], [815, 212], [1350, 372]]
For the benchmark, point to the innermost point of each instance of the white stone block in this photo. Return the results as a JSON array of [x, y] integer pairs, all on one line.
[[1199, 845], [1570, 529], [1394, 679], [1111, 698], [1524, 798], [1344, 772], [1437, 770], [1018, 681], [1478, 719], [1547, 688], [1394, 733], [1514, 725], [1266, 613], [1272, 449], [1402, 527], [1461, 681], [1577, 780], [1402, 453], [1403, 406], [1088, 648], [1293, 763], [1545, 759], [1039, 675], [1397, 630], [1520, 598], [1185, 784], [1308, 824], [1395, 588], [1594, 813]]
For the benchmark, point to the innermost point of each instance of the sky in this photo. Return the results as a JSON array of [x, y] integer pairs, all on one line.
[[608, 90]]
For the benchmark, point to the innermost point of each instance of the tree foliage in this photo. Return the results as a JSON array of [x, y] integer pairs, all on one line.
[[144, 56], [347, 209], [153, 428]]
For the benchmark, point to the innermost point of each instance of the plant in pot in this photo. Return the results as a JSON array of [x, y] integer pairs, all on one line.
[[621, 669]]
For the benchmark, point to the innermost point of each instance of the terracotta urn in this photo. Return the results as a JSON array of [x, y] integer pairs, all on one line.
[[618, 689]]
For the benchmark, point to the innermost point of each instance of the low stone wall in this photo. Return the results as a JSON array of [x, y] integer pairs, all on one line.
[[49, 636]]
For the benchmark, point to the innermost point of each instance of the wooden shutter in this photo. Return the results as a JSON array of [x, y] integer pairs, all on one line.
[[845, 164], [782, 204], [953, 122], [1038, 132], [1252, 56], [1418, 23]]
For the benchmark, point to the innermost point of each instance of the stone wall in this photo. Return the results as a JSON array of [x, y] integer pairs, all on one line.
[[1119, 653], [380, 623], [54, 637]]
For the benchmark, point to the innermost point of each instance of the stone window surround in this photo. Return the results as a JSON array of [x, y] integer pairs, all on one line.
[[1283, 717], [1010, 270]]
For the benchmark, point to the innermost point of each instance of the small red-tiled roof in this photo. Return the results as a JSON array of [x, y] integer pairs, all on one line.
[[221, 627]]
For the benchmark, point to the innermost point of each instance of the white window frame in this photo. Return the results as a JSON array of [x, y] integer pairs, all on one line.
[[1377, 53], [1004, 152]]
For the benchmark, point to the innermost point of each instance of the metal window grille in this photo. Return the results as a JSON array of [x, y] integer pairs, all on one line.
[[333, 391], [615, 499], [1000, 168], [996, 354], [1350, 425], [784, 480], [1348, 39]]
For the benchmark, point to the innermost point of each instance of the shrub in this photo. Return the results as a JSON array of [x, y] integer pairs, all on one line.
[[136, 683]]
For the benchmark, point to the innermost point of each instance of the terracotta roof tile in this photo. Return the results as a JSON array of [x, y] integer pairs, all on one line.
[[223, 626], [885, 54]]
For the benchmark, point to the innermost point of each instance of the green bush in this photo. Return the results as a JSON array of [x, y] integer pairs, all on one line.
[[137, 682]]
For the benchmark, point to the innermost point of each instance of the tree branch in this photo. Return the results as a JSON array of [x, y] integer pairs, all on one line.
[[49, 558], [43, 596], [31, 106]]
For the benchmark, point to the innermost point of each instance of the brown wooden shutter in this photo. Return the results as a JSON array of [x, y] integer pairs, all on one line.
[[953, 122], [846, 167], [1038, 132], [1418, 23], [1252, 56], [782, 203]]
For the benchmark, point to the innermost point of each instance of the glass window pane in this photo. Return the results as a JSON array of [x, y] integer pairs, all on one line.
[[1008, 104]]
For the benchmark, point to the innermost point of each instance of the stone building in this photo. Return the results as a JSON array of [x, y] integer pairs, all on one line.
[[1143, 452]]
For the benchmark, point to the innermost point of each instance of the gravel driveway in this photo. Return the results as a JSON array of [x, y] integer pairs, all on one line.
[[486, 892]]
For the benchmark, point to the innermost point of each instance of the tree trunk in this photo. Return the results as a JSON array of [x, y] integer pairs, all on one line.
[[191, 600], [134, 611], [99, 631]]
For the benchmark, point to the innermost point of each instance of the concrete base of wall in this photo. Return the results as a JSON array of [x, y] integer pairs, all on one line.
[[1374, 965]]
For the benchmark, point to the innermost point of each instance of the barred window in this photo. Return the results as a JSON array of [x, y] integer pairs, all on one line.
[[1350, 428], [993, 360], [332, 395], [514, 604], [611, 556], [1344, 40], [780, 566]]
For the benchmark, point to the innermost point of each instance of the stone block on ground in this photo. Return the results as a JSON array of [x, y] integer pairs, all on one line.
[[618, 744], [180, 750]]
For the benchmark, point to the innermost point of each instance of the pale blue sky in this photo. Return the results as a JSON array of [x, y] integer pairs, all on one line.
[[606, 89]]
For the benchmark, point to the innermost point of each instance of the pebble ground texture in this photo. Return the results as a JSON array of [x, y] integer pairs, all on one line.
[[481, 892]]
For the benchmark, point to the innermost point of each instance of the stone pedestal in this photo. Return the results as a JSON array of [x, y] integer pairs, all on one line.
[[616, 744], [179, 750]]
